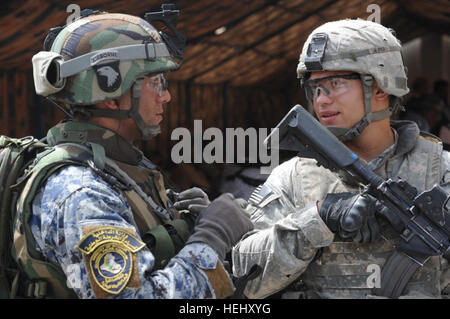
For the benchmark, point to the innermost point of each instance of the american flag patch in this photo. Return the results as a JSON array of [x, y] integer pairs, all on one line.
[[259, 194]]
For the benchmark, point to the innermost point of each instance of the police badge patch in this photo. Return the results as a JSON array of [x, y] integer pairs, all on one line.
[[109, 253]]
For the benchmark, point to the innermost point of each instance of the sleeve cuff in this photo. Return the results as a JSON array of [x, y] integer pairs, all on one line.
[[206, 258], [199, 254], [313, 227]]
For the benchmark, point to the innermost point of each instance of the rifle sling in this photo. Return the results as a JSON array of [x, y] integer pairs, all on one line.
[[395, 275]]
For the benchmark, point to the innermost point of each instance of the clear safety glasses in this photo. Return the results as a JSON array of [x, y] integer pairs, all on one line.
[[159, 83], [331, 86]]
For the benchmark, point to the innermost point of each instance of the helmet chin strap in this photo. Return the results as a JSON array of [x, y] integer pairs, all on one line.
[[346, 134], [147, 131]]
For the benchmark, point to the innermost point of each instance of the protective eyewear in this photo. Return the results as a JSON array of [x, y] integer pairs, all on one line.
[[159, 83], [331, 86]]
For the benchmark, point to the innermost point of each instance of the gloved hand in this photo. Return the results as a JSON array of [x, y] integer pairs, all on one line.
[[221, 224], [242, 202], [193, 199], [351, 215]]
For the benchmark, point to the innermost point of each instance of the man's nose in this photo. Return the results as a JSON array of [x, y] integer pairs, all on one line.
[[165, 96], [322, 95]]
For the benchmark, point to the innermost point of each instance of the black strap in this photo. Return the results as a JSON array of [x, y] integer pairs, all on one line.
[[22, 287], [241, 282], [395, 275]]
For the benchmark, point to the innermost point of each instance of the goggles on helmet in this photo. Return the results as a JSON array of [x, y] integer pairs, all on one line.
[[331, 86]]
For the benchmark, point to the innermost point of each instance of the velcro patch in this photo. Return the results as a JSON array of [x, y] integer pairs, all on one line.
[[109, 253]]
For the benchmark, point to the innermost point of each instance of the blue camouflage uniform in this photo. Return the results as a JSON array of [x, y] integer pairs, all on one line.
[[75, 197]]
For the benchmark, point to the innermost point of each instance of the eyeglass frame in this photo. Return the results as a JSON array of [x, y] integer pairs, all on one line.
[[352, 76], [163, 84]]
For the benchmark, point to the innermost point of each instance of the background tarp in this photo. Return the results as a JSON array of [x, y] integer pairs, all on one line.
[[239, 67]]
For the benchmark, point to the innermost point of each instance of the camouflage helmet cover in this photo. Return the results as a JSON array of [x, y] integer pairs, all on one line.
[[363, 47], [110, 80]]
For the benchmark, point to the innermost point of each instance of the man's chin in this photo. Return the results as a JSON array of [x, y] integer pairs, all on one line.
[[158, 119]]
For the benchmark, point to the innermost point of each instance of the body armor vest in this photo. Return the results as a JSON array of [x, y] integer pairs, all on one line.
[[346, 269], [120, 165]]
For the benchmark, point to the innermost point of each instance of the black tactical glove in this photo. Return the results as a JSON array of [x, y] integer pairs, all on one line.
[[193, 199], [351, 215], [221, 224]]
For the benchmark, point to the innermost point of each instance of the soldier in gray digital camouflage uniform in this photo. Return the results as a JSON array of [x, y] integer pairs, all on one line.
[[315, 236], [93, 219]]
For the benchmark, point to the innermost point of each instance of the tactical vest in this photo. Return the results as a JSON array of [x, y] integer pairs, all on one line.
[[84, 144], [351, 270]]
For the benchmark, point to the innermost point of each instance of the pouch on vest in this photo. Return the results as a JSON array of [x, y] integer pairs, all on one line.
[[165, 241]]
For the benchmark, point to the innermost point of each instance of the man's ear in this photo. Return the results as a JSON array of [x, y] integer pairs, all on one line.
[[378, 93], [109, 105]]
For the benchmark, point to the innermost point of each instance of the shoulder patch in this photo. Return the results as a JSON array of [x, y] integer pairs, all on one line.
[[260, 194], [110, 258]]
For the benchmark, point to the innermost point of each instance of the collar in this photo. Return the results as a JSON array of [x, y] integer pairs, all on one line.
[[406, 134], [376, 162], [116, 147]]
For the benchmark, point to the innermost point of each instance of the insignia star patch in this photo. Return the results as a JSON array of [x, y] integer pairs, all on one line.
[[109, 255]]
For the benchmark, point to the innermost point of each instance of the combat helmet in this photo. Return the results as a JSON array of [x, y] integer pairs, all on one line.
[[101, 56], [363, 47]]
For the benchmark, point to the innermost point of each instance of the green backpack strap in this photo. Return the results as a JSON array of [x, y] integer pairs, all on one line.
[[32, 262], [165, 241], [15, 156], [34, 267]]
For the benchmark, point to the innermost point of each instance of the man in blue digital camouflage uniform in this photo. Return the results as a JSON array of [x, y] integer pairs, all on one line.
[[94, 219]]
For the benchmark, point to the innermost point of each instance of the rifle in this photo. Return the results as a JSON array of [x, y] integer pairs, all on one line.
[[422, 219]]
